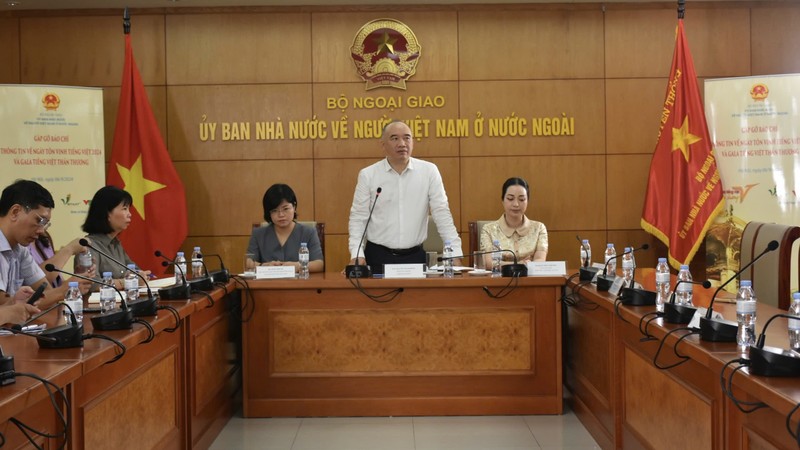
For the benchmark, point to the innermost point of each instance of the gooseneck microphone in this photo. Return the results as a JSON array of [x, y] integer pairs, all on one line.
[[69, 335], [117, 318], [771, 361], [586, 273], [718, 330], [362, 270], [605, 281], [203, 283], [514, 270], [222, 275], [177, 291], [138, 308], [681, 314]]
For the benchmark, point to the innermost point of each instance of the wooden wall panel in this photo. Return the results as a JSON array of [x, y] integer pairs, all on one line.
[[626, 176], [224, 198], [189, 105], [89, 51], [230, 248], [719, 41], [239, 48], [639, 43], [581, 99], [333, 35], [644, 258], [565, 247], [9, 51], [158, 102], [776, 43], [502, 45], [367, 146], [633, 112], [553, 182]]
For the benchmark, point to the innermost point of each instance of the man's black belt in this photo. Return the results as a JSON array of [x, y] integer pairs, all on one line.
[[397, 251]]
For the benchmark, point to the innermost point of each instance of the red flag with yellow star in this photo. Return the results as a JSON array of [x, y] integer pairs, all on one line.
[[684, 193], [141, 165]]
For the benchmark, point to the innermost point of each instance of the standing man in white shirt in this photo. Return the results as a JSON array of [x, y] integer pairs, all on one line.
[[410, 189]]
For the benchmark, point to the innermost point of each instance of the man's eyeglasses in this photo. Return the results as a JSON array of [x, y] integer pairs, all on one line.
[[41, 222], [285, 210]]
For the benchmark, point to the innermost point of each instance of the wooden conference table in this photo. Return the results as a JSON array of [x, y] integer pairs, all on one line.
[[320, 347], [173, 392], [626, 402]]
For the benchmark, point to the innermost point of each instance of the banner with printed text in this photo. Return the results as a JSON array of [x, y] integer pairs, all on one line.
[[54, 136], [754, 123]]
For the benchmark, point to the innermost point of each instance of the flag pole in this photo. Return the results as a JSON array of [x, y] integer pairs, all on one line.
[[681, 9], [126, 21]]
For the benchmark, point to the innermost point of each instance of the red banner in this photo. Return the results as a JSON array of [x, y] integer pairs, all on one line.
[[141, 165], [684, 193]]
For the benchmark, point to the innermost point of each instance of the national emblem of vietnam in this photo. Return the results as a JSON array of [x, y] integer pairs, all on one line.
[[385, 52]]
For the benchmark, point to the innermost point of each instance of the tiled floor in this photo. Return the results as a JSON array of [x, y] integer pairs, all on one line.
[[407, 433]]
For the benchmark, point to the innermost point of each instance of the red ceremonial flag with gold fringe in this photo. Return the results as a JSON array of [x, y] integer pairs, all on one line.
[[684, 193], [141, 165]]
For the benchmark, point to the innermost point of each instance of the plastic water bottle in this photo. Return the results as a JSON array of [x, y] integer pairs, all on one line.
[[496, 259], [180, 261], [662, 284], [746, 316], [197, 264], [685, 291], [303, 258], [447, 260], [107, 294], [74, 299], [586, 253], [627, 266], [131, 284], [794, 324], [610, 259], [85, 261]]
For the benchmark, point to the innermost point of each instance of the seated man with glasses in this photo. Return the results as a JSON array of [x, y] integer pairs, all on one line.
[[25, 208], [278, 243]]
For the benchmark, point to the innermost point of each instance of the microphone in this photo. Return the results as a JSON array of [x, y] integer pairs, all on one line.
[[771, 361], [176, 291], [138, 307], [633, 296], [69, 335], [362, 270], [717, 330], [220, 276], [604, 281], [116, 319], [203, 283], [681, 313], [586, 273], [515, 269]]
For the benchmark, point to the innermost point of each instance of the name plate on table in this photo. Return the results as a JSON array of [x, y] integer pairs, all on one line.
[[599, 267], [274, 272], [547, 268], [403, 271], [619, 282]]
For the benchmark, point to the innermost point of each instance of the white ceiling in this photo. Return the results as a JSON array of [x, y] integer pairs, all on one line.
[[19, 5]]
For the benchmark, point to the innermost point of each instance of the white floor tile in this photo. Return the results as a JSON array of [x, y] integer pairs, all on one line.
[[355, 436], [472, 433], [266, 434]]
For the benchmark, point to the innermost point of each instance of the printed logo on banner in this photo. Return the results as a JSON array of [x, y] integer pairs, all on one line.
[[737, 194], [385, 52], [51, 101], [759, 92]]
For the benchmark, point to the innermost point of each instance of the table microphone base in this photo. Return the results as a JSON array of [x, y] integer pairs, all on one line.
[[175, 292], [514, 270], [201, 284], [118, 319], [679, 314], [588, 273], [716, 330], [357, 271], [774, 362], [220, 276], [64, 336], [604, 282], [638, 297], [145, 307]]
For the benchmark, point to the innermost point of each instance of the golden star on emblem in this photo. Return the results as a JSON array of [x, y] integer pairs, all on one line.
[[682, 139], [137, 185], [385, 43]]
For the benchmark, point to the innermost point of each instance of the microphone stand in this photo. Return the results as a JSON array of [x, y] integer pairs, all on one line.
[[362, 270], [771, 361], [69, 335], [220, 276], [681, 314], [176, 291], [716, 330], [203, 283], [604, 281], [116, 319], [138, 308]]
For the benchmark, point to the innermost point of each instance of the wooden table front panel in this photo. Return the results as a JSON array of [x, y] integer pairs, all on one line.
[[443, 349]]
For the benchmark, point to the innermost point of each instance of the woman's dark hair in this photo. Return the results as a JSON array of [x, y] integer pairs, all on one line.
[[515, 182], [103, 202], [275, 195]]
